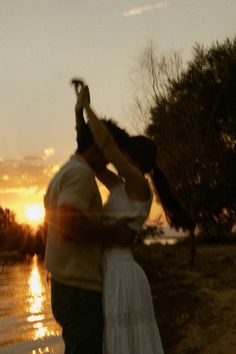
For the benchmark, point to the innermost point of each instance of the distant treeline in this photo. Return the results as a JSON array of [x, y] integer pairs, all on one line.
[[20, 238], [24, 240]]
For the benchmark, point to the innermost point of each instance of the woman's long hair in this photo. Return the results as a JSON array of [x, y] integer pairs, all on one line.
[[143, 152], [175, 213], [85, 138]]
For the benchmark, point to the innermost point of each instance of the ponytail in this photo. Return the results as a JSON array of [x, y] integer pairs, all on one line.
[[175, 214]]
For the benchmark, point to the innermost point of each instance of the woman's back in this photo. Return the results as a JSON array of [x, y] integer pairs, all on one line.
[[119, 206]]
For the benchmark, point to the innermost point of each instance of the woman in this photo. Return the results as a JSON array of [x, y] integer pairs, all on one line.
[[130, 325]]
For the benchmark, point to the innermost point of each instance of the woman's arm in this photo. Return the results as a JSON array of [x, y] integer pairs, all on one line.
[[136, 185], [109, 179]]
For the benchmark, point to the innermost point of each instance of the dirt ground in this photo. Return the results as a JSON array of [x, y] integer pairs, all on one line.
[[195, 307]]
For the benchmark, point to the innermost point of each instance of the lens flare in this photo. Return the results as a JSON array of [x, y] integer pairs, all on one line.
[[34, 212]]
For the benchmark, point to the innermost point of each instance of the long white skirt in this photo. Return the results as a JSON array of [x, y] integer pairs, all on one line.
[[130, 324]]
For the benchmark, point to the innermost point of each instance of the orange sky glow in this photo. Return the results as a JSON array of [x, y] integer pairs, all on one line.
[[25, 181], [43, 44]]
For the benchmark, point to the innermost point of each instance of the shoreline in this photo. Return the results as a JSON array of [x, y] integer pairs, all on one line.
[[195, 307]]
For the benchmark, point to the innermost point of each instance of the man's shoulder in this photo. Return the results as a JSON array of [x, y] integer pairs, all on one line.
[[74, 173], [77, 161], [76, 170]]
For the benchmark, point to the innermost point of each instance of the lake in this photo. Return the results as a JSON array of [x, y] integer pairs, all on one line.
[[26, 322]]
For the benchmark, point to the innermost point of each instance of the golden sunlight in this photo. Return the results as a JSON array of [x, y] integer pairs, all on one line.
[[36, 302], [34, 213]]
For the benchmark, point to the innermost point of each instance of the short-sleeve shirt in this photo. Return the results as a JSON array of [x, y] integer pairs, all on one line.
[[69, 262]]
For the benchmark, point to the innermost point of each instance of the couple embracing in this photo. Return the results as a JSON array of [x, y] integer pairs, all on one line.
[[99, 294]]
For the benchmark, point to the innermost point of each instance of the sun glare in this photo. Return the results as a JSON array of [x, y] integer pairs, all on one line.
[[34, 213]]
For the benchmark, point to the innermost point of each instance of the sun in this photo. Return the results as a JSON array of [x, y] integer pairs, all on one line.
[[34, 213]]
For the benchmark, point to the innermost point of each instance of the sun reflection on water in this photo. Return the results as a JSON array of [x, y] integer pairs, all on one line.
[[36, 290], [36, 303]]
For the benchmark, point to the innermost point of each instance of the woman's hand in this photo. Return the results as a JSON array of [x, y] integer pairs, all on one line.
[[76, 83], [83, 98]]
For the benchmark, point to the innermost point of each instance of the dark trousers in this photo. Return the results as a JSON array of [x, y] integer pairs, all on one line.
[[79, 312]]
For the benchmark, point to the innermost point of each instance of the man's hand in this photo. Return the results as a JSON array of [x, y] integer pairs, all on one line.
[[75, 226]]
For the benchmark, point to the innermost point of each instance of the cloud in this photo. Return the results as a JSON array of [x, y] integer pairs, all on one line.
[[144, 8], [24, 180], [5, 177], [21, 192], [51, 170], [27, 171], [48, 152]]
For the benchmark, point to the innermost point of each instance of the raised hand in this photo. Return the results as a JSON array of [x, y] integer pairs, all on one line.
[[83, 98], [76, 83]]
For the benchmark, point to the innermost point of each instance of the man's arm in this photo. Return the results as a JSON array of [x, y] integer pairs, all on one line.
[[74, 221], [75, 225]]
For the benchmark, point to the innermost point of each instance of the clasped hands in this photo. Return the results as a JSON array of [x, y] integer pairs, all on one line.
[[83, 96]]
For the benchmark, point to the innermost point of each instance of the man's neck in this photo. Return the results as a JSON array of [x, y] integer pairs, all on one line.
[[86, 155]]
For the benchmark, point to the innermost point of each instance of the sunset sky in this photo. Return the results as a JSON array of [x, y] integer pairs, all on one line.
[[44, 43]]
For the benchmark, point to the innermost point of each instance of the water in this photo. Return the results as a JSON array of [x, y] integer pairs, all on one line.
[[26, 322]]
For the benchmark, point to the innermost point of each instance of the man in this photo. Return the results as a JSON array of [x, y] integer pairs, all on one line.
[[74, 246]]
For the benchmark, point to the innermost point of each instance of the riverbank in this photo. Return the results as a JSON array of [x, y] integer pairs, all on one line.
[[195, 308]]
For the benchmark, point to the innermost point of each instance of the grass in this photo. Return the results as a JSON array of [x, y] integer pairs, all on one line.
[[195, 308]]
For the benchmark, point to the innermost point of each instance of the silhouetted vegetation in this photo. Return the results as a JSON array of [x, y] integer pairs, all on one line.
[[194, 125], [151, 232], [19, 238], [190, 112]]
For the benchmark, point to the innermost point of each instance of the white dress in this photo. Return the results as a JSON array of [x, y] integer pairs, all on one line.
[[130, 324]]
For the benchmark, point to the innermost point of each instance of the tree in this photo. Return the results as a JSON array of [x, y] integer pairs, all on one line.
[[194, 126], [150, 77], [20, 237], [7, 218], [7, 223], [40, 238], [150, 232]]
